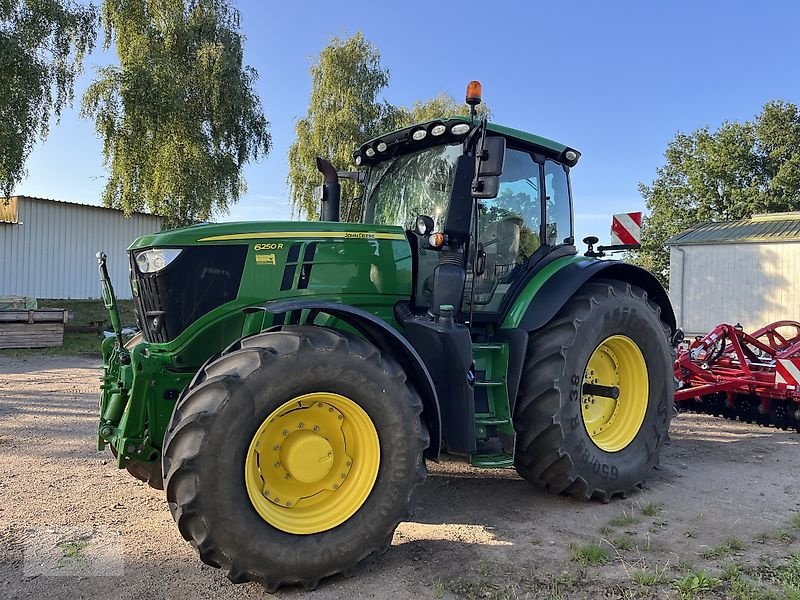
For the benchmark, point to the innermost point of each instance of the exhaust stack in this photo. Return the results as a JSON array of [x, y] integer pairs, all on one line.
[[330, 191]]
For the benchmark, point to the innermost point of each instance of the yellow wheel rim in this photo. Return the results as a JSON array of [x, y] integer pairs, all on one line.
[[616, 364], [312, 463]]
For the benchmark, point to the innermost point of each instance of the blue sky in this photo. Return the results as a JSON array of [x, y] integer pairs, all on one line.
[[616, 80]]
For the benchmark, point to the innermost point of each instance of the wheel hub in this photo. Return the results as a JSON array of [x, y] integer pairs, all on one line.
[[312, 463], [615, 392], [306, 456]]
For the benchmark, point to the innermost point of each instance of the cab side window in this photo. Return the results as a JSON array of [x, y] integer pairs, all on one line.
[[558, 225]]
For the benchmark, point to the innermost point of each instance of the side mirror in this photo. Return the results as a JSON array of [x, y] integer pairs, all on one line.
[[486, 187], [490, 167], [493, 157]]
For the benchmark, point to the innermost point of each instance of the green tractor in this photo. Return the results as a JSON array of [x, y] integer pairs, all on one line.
[[291, 379]]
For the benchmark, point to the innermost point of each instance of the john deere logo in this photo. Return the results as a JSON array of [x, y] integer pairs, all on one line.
[[349, 235]]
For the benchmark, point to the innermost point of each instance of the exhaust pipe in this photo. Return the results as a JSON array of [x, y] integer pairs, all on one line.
[[331, 191]]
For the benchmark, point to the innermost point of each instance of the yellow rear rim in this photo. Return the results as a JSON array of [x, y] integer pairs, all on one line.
[[312, 463], [618, 363]]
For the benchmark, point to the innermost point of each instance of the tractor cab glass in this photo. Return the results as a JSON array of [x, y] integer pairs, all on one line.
[[509, 229], [419, 183], [517, 223]]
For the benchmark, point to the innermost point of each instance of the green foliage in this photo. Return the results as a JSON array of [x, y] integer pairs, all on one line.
[[728, 546], [623, 542], [623, 520], [179, 116], [42, 46], [731, 173], [651, 509], [694, 584], [648, 578], [345, 110], [591, 554]]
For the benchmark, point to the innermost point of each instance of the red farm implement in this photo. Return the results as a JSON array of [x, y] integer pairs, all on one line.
[[753, 377]]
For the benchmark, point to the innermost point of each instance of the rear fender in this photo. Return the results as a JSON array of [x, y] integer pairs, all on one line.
[[561, 285], [388, 341]]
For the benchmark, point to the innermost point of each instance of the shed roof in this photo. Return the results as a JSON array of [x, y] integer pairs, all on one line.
[[83, 204], [774, 227]]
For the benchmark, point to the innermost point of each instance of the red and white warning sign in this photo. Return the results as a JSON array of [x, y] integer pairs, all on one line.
[[787, 371], [626, 228]]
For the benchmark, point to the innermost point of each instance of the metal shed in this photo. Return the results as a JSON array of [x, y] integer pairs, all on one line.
[[738, 271], [48, 247]]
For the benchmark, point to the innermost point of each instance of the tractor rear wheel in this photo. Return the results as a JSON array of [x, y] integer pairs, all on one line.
[[596, 394], [294, 455]]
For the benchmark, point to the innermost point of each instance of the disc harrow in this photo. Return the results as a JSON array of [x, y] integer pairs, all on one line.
[[752, 377]]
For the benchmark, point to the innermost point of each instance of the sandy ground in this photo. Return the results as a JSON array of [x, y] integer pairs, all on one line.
[[486, 534]]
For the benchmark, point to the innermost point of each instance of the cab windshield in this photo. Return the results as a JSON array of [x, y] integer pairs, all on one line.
[[402, 188]]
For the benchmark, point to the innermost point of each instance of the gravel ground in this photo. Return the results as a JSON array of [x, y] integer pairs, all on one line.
[[73, 526]]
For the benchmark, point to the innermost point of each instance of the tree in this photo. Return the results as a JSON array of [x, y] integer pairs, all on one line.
[[441, 106], [179, 116], [732, 173], [344, 110], [42, 46]]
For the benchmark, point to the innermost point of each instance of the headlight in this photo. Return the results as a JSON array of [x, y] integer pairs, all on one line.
[[459, 129], [155, 259]]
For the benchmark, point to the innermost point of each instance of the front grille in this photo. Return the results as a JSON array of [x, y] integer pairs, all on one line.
[[199, 280]]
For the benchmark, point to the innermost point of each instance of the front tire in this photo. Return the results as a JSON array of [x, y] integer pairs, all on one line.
[[239, 475], [607, 339]]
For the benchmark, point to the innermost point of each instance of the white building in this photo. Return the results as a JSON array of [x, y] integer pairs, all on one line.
[[739, 271], [48, 247]]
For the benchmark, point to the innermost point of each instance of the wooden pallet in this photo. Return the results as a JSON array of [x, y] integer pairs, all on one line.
[[38, 328]]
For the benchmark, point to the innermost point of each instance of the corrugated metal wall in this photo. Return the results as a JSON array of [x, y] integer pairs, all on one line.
[[50, 253], [750, 283]]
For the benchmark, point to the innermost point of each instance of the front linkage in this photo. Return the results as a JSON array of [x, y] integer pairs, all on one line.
[[129, 403]]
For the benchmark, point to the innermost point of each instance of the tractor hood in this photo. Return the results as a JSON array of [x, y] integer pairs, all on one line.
[[253, 232]]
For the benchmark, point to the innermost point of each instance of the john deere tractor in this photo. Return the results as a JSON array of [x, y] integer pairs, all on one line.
[[291, 379]]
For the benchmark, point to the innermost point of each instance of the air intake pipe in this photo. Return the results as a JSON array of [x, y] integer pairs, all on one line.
[[331, 191]]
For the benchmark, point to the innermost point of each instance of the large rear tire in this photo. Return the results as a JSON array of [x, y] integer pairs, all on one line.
[[573, 436], [294, 455]]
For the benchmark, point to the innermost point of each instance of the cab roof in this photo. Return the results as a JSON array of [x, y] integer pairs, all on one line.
[[403, 136]]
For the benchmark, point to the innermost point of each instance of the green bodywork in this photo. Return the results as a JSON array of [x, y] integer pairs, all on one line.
[[356, 264], [360, 265]]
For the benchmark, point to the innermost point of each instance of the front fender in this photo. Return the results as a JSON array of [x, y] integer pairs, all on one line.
[[562, 284], [389, 341]]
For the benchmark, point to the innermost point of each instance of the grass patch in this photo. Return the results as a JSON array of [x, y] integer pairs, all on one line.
[[690, 533], [796, 521], [592, 554], [651, 509], [438, 589], [648, 578], [623, 542], [695, 583], [786, 576], [623, 520], [783, 536], [728, 546], [606, 530]]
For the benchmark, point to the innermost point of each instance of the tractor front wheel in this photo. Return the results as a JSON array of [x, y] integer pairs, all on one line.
[[596, 394], [294, 455]]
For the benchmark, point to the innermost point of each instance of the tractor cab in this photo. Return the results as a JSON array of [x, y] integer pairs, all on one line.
[[487, 199]]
